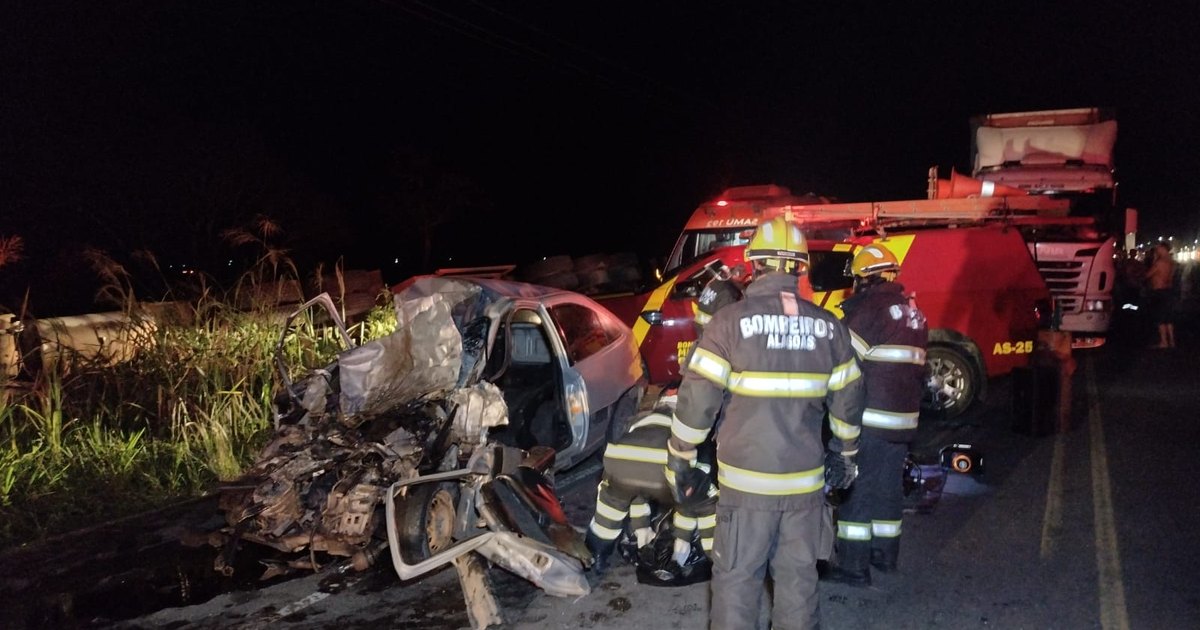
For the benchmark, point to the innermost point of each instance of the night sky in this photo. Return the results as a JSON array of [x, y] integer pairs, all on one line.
[[534, 128]]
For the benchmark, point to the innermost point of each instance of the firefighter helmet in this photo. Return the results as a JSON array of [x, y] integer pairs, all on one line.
[[872, 260], [779, 245]]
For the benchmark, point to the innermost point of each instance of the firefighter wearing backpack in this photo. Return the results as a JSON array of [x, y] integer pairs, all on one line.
[[777, 365], [889, 335], [633, 480]]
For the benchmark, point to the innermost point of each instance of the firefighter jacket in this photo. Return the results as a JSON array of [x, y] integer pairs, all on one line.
[[784, 362], [889, 334]]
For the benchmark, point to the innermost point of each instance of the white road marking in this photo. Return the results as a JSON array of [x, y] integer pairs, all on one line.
[[1053, 518], [1113, 615]]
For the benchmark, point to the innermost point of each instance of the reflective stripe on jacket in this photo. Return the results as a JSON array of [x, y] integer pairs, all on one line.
[[890, 335], [781, 361]]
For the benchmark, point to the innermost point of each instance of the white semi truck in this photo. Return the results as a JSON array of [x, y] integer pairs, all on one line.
[[1066, 154]]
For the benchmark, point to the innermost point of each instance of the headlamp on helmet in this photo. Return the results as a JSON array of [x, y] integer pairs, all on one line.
[[873, 260], [779, 245]]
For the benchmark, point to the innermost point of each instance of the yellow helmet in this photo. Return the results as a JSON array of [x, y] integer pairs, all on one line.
[[779, 245], [874, 259]]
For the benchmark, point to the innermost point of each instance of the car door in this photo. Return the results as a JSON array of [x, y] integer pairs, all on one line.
[[600, 350]]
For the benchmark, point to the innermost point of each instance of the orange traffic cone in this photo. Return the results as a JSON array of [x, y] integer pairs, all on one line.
[[961, 187]]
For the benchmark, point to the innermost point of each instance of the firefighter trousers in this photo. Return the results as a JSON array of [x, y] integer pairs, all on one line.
[[615, 503], [871, 510], [749, 544]]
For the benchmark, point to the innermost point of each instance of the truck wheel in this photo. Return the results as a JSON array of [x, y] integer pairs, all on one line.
[[952, 381], [547, 267], [427, 520]]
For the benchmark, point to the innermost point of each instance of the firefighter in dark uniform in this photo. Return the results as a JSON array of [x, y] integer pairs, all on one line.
[[633, 479], [786, 364], [889, 335], [725, 287]]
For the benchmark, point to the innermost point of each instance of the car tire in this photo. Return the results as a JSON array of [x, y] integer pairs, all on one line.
[[625, 409], [427, 517], [953, 381]]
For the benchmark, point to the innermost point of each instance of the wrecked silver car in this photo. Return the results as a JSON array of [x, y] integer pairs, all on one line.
[[441, 439]]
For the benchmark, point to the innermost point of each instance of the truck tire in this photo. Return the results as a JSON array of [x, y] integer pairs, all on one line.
[[622, 259], [566, 280], [953, 381], [585, 264], [550, 266], [592, 280], [628, 274], [426, 520]]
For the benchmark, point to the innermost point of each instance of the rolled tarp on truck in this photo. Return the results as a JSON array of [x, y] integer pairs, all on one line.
[[107, 338], [1046, 151], [10, 356]]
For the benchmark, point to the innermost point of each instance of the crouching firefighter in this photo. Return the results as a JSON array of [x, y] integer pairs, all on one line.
[[889, 335], [633, 486]]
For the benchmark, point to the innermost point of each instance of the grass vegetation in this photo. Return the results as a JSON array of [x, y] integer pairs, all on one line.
[[91, 438]]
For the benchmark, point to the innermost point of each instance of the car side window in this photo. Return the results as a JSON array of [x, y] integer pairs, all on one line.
[[583, 331], [830, 271]]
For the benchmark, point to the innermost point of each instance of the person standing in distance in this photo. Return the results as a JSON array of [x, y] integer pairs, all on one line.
[[1161, 281], [889, 335], [786, 364]]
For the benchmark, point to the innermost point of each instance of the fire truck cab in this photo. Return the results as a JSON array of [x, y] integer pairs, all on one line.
[[969, 267]]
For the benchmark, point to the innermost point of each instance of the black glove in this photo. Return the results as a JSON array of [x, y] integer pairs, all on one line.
[[684, 478], [840, 470], [691, 486]]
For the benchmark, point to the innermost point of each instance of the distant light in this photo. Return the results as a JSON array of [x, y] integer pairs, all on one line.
[[396, 261], [722, 203]]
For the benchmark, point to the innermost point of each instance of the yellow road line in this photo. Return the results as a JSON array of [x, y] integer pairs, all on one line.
[[1053, 518], [1113, 615]]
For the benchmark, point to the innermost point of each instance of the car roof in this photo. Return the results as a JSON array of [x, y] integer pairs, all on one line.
[[493, 288]]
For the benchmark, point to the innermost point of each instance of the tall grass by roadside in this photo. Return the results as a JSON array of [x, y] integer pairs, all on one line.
[[89, 440]]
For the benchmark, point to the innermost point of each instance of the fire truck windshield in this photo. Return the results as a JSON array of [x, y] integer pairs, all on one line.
[[694, 244]]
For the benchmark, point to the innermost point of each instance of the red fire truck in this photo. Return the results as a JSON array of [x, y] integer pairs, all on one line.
[[966, 259]]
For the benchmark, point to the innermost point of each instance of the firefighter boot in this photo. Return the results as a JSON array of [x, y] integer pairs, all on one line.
[[852, 567], [601, 550], [883, 561]]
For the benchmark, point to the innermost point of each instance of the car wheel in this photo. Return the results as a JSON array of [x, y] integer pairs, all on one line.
[[952, 381], [427, 520], [625, 409]]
